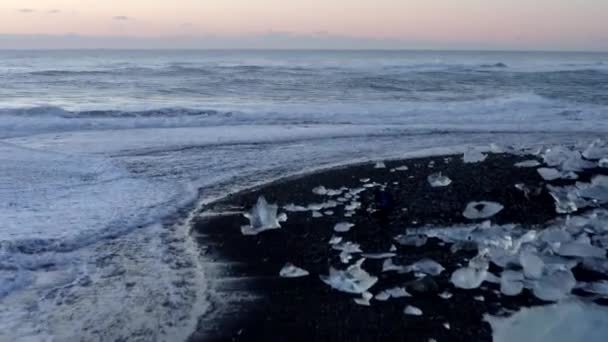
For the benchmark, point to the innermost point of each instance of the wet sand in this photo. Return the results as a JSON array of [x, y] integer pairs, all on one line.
[[253, 303]]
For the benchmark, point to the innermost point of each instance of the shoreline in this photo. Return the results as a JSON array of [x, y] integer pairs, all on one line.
[[252, 302]]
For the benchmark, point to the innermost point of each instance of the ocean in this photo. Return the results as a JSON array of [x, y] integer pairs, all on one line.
[[105, 156]]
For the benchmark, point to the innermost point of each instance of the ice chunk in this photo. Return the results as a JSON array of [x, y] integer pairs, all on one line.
[[597, 190], [316, 214], [388, 266], [352, 280], [468, 277], [598, 149], [382, 296], [343, 227], [352, 206], [481, 210], [412, 311], [295, 208], [550, 174], [528, 163], [446, 295], [603, 163], [566, 159], [473, 156], [328, 212], [567, 199], [580, 249], [378, 255], [437, 180], [411, 240], [599, 288], [365, 298], [427, 266], [511, 283], [554, 286], [320, 190], [395, 292], [566, 321], [401, 168], [532, 264], [335, 240], [380, 165], [262, 217], [292, 271], [346, 249]]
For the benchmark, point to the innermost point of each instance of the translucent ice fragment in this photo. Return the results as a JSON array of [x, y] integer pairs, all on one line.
[[468, 278], [598, 149], [473, 156], [412, 311], [380, 165], [292, 271], [427, 266], [567, 199], [481, 210], [343, 227], [550, 174], [597, 190], [598, 287], [320, 190], [554, 286], [262, 217], [533, 265], [603, 163], [528, 163], [395, 292], [411, 240], [437, 180], [580, 249], [365, 298], [511, 283], [352, 280], [446, 295]]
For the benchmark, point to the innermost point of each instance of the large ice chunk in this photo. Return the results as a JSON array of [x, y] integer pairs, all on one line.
[[567, 199], [566, 321], [292, 271], [482, 210], [598, 149], [511, 283], [437, 180], [554, 286], [352, 280], [262, 217], [533, 265]]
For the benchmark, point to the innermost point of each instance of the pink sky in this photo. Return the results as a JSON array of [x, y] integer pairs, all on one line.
[[525, 23]]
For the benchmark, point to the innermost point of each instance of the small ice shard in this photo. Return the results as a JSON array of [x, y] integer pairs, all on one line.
[[402, 168], [378, 255], [603, 163], [598, 149], [426, 266], [352, 206], [481, 210], [316, 214], [550, 174], [364, 180], [346, 249], [511, 283], [599, 288], [295, 208], [468, 278], [447, 325], [533, 265], [412, 311], [365, 298], [382, 296], [380, 165], [473, 156], [411, 240], [343, 227], [292, 271], [262, 217], [328, 212], [335, 240], [352, 280], [446, 295], [320, 190], [555, 286], [567, 321], [480, 298], [528, 163], [580, 249], [395, 292], [393, 248], [437, 180]]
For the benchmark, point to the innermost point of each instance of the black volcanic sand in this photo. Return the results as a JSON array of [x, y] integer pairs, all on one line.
[[306, 309]]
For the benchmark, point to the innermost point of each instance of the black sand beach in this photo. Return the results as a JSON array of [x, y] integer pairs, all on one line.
[[305, 309]]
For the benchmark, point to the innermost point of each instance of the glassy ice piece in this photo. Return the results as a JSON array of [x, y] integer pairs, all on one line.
[[262, 217], [481, 210], [580, 249], [528, 163], [295, 208], [365, 298], [554, 286], [411, 240], [597, 190], [343, 227], [468, 278], [550, 174], [446, 295], [427, 266], [533, 265], [437, 180], [320, 190], [412, 311], [567, 199], [511, 283], [380, 165], [598, 287], [292, 271], [335, 240], [598, 149], [395, 292], [473, 156], [352, 280]]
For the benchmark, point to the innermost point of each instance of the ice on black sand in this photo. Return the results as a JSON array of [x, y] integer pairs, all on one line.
[[292, 271], [343, 227], [437, 180], [262, 217], [352, 280], [412, 311], [473, 156], [482, 210]]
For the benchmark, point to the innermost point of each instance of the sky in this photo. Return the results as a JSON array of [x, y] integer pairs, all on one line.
[[453, 24]]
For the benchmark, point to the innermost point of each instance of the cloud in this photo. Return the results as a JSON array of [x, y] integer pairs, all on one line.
[[121, 18], [26, 10]]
